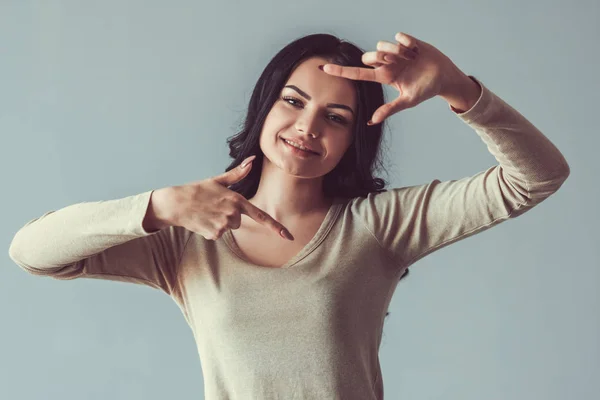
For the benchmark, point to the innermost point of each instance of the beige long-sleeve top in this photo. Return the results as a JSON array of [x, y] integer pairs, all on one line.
[[311, 329]]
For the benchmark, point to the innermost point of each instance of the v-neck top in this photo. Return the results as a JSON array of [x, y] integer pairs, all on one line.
[[319, 236], [311, 330]]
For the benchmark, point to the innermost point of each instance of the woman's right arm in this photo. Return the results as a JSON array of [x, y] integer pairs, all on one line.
[[114, 240]]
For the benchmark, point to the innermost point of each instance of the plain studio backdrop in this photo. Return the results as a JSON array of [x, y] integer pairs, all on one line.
[[103, 100]]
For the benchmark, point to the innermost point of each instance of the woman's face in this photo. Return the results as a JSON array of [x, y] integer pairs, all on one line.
[[319, 110]]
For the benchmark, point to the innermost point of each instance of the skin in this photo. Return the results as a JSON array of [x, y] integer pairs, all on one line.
[[290, 187]]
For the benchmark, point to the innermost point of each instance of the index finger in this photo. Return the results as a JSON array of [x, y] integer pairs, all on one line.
[[263, 218], [356, 73]]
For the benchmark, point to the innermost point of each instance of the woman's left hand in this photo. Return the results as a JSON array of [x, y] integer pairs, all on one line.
[[426, 74]]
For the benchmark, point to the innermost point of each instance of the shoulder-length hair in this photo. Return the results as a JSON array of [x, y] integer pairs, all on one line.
[[353, 176]]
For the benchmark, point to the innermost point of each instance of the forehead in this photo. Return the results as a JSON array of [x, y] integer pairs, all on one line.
[[320, 85]]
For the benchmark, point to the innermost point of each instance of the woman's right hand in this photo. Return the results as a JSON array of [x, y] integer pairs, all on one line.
[[209, 208]]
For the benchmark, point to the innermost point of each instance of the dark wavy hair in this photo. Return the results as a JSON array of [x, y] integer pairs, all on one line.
[[353, 176]]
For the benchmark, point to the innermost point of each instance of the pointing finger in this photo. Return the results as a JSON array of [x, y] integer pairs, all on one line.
[[263, 218], [355, 73]]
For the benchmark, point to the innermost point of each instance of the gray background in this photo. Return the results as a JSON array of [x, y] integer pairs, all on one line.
[[102, 100]]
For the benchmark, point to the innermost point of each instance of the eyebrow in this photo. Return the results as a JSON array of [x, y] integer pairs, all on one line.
[[330, 105]]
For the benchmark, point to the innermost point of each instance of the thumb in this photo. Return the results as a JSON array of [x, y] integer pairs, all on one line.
[[391, 108], [237, 174]]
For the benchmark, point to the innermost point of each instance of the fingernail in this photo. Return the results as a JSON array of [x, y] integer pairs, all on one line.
[[370, 122], [247, 161], [286, 234], [321, 67]]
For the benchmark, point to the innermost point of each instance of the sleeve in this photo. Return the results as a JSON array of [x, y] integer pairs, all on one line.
[[101, 240], [412, 222]]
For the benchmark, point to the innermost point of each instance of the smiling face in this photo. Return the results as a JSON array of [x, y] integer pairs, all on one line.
[[316, 109]]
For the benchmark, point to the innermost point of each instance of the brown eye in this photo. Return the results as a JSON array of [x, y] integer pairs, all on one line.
[[337, 119], [288, 99]]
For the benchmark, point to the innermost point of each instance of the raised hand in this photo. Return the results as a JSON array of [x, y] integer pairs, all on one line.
[[415, 68]]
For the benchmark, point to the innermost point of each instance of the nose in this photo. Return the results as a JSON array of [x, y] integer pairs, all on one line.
[[309, 123]]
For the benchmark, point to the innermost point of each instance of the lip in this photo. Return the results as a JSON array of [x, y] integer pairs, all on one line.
[[301, 143], [297, 151]]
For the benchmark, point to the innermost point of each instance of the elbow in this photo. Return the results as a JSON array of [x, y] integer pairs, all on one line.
[[16, 254], [13, 250]]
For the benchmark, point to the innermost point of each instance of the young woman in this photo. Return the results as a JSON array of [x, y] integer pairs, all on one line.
[[302, 318]]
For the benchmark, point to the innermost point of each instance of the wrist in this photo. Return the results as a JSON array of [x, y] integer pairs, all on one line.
[[461, 93], [158, 214]]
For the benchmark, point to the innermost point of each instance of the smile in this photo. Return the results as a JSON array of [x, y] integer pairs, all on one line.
[[297, 150]]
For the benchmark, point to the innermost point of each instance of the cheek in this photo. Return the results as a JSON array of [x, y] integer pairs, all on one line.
[[279, 110], [336, 149], [276, 121]]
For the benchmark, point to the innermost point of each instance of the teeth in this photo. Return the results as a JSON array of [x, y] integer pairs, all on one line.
[[296, 145]]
